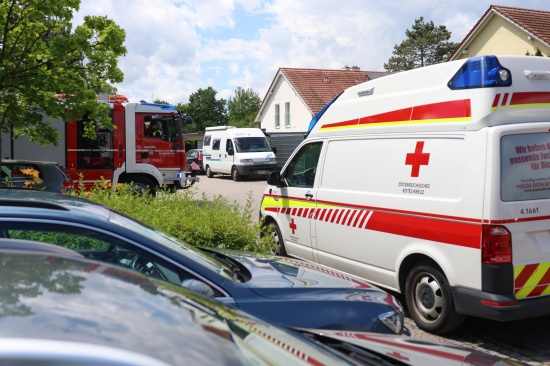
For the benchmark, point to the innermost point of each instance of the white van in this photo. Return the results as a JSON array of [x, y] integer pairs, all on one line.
[[241, 152], [434, 183]]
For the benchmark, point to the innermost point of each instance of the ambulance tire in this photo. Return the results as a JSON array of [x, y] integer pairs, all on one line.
[[143, 184], [235, 174], [277, 247], [430, 301], [209, 173]]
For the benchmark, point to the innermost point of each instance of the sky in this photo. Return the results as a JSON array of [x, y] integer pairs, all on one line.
[[176, 47]]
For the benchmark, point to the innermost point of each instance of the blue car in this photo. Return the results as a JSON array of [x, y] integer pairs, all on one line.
[[278, 289]]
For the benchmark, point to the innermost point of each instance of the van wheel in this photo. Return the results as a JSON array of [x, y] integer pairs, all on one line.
[[209, 173], [143, 184], [430, 300], [235, 174], [276, 246]]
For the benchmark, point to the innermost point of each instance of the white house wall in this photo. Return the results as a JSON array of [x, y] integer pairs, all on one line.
[[300, 116]]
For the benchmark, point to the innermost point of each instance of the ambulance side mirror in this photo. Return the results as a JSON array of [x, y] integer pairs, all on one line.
[[274, 179], [274, 149]]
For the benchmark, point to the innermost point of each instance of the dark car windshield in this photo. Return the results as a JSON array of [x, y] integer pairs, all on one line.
[[172, 243]]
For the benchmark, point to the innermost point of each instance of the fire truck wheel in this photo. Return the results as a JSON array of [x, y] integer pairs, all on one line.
[[430, 300], [209, 173], [235, 174], [143, 184], [277, 246]]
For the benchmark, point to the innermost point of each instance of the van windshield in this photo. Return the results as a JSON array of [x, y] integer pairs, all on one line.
[[525, 167], [252, 144]]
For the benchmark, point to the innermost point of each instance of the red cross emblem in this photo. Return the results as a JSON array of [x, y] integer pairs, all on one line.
[[292, 226], [417, 159]]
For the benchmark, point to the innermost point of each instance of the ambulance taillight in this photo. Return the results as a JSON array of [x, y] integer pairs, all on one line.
[[496, 245]]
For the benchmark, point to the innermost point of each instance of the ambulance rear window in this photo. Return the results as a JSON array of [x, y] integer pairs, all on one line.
[[525, 167]]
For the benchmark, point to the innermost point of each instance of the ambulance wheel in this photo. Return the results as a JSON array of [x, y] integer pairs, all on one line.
[[276, 246], [209, 173], [430, 300], [143, 184], [235, 174]]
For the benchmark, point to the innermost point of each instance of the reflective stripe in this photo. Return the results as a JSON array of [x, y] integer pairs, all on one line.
[[532, 280]]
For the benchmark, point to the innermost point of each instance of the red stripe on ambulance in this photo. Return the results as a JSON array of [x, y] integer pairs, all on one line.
[[442, 110]]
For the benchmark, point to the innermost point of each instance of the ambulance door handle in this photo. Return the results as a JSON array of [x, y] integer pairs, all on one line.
[[309, 196]]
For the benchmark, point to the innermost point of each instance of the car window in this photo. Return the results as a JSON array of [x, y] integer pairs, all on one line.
[[20, 174], [97, 246], [301, 171]]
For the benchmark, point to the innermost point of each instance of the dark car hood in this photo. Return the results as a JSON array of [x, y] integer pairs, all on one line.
[[272, 272]]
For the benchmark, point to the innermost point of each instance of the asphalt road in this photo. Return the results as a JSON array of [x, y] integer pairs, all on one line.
[[526, 340]]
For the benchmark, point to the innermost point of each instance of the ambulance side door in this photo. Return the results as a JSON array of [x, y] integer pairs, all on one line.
[[297, 200]]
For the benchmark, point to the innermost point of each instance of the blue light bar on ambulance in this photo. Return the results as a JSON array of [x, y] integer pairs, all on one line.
[[481, 72]]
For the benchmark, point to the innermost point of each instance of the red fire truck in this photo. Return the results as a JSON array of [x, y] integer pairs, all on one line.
[[128, 154]]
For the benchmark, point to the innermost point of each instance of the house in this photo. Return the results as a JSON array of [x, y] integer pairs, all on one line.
[[295, 96], [504, 30]]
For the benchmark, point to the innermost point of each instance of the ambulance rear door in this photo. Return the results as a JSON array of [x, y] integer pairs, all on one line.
[[519, 199]]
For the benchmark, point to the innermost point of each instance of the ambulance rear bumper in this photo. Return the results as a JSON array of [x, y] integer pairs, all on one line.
[[477, 303]]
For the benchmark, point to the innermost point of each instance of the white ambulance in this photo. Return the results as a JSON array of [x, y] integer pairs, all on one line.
[[241, 152], [434, 183]]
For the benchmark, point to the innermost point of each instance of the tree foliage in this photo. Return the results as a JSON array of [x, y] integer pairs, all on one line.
[[425, 45], [41, 55], [205, 110], [242, 108]]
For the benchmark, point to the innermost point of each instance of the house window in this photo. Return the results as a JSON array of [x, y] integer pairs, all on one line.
[[277, 116], [287, 114]]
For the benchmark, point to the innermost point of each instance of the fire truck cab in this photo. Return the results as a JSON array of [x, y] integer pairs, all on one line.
[[127, 154], [434, 183]]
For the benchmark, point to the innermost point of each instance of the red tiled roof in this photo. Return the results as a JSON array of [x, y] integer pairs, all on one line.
[[317, 87], [535, 22]]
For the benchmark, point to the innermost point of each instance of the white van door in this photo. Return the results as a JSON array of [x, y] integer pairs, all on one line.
[[297, 201], [226, 160]]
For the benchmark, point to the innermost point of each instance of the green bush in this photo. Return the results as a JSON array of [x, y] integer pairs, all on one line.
[[193, 220]]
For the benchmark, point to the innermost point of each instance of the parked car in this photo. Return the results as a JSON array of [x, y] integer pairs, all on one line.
[[195, 156], [43, 175], [281, 290], [61, 310]]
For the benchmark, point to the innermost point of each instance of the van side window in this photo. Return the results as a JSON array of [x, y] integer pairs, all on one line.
[[216, 145], [301, 170], [207, 139], [229, 145]]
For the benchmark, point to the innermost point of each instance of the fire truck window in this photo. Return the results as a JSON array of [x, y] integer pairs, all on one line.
[[94, 153]]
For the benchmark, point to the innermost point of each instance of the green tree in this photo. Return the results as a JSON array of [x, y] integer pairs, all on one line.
[[425, 45], [204, 109], [41, 56], [242, 108]]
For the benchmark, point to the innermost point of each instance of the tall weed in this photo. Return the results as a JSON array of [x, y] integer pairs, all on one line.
[[194, 220]]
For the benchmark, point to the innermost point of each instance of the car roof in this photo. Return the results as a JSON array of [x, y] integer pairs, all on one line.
[[18, 161], [68, 302], [19, 245]]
